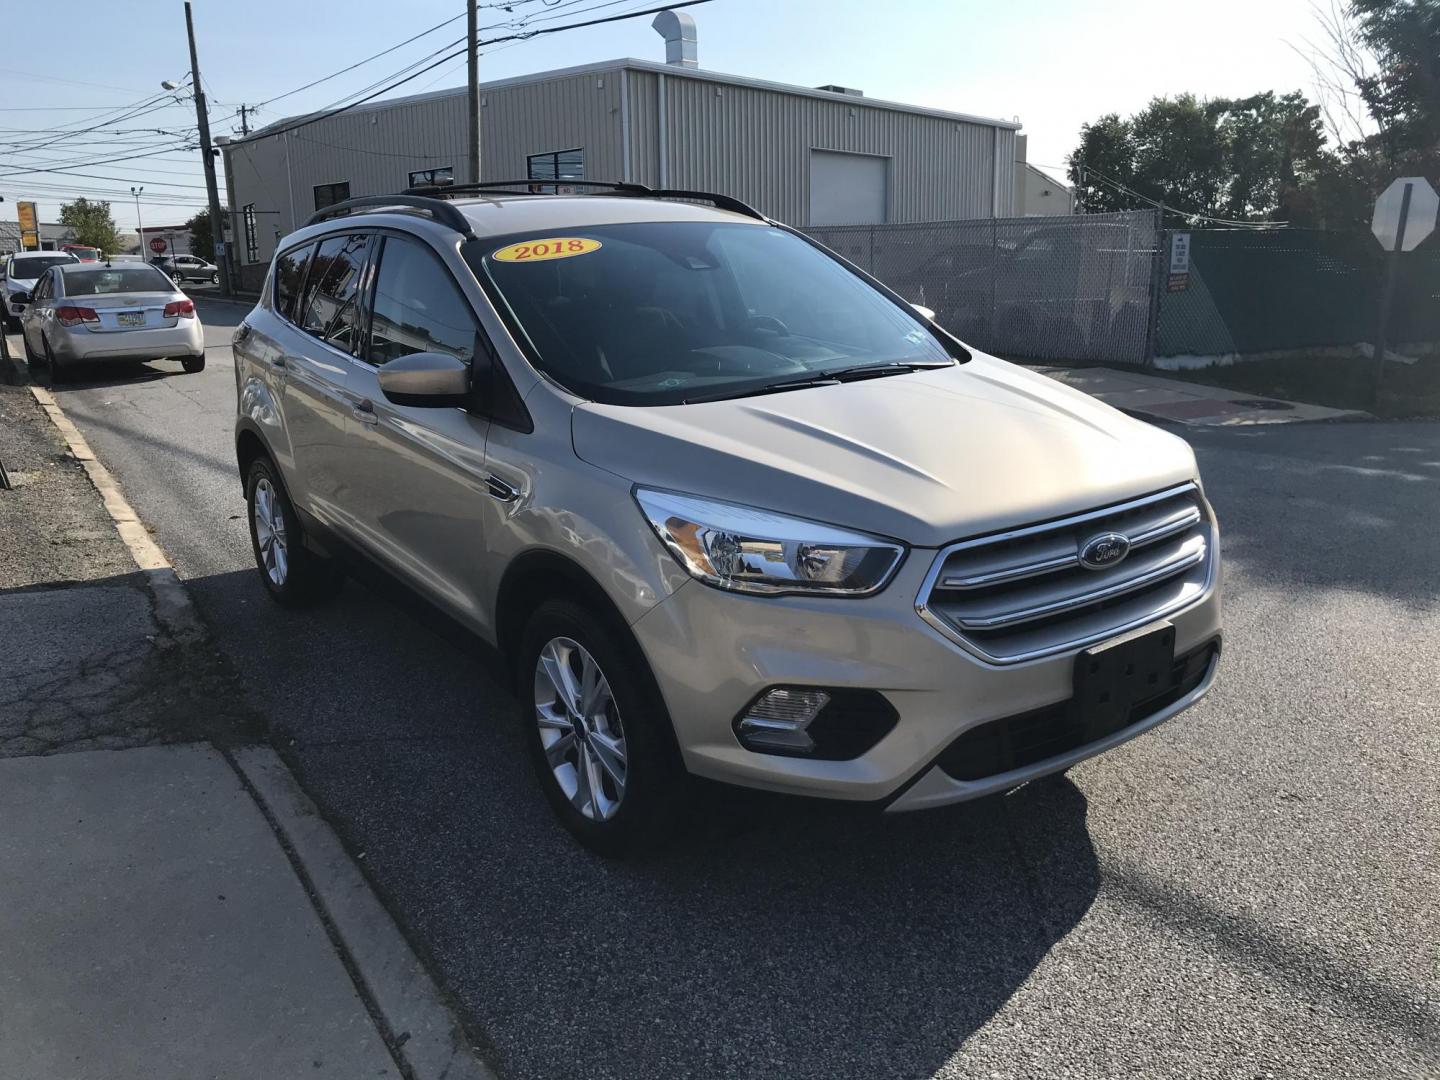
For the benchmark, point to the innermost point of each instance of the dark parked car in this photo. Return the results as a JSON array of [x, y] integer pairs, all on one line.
[[182, 268]]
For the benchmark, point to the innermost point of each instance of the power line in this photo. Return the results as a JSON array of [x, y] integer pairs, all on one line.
[[315, 118]]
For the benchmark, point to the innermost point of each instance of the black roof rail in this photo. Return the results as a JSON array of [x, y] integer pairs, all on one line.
[[439, 209], [440, 190], [720, 202]]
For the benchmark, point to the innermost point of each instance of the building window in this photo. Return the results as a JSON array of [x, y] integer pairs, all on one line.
[[433, 177], [561, 165], [330, 194], [252, 242]]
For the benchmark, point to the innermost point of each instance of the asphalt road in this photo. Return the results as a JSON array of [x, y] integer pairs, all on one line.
[[1250, 891]]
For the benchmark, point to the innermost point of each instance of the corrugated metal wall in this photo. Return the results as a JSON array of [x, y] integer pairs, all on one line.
[[755, 144], [746, 141], [558, 114]]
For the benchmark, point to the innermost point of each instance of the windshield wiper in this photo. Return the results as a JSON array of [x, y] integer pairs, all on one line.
[[829, 378]]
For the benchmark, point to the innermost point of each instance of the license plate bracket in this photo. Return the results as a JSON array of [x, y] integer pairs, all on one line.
[[130, 318], [1113, 677]]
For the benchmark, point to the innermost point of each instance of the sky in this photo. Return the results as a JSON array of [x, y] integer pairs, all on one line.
[[1051, 64]]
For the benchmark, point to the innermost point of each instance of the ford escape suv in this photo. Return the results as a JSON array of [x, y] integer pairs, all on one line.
[[729, 507]]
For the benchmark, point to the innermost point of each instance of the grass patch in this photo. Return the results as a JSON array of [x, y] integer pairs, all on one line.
[[1340, 382]]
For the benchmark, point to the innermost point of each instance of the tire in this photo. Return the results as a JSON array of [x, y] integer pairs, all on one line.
[[215, 278], [58, 373], [31, 360], [627, 742], [292, 574], [193, 364]]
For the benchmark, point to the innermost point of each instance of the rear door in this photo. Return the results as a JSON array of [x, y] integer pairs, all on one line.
[[418, 474], [314, 336]]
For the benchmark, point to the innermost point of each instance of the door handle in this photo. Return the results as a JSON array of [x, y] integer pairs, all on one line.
[[364, 411], [499, 489]]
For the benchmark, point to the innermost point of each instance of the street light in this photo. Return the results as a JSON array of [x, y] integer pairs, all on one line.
[[168, 85], [139, 221]]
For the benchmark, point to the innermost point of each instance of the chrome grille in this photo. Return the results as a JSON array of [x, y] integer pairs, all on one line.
[[1024, 593]]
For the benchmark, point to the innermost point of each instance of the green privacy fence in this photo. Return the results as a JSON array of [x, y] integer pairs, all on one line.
[[1254, 291]]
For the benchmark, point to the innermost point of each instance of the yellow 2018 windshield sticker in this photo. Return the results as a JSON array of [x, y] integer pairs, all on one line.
[[554, 247]]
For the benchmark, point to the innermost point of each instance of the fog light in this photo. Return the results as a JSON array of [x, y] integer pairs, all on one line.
[[777, 721]]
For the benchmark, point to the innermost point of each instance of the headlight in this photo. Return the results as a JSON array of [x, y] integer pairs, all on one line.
[[758, 551]]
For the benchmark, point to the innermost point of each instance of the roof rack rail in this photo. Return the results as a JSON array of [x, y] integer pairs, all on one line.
[[440, 190], [720, 202], [439, 209]]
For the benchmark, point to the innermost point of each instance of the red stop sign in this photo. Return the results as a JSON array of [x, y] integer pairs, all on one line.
[[157, 245]]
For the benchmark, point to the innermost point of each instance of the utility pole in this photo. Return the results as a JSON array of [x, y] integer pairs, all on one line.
[[217, 224], [244, 126], [139, 221], [472, 53]]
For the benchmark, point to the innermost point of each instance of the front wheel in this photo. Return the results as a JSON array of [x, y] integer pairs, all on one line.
[[598, 732], [293, 575], [215, 278]]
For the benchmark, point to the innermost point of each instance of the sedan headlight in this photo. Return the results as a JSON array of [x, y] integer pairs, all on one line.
[[759, 551]]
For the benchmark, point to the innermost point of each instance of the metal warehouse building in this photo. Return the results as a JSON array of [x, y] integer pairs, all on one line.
[[807, 156]]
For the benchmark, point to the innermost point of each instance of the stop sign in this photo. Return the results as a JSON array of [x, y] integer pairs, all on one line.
[[157, 245], [1410, 201]]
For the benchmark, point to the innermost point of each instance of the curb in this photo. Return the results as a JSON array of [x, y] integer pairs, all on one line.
[[406, 1007], [413, 1019]]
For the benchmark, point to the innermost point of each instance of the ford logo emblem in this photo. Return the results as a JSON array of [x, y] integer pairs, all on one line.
[[1105, 550]]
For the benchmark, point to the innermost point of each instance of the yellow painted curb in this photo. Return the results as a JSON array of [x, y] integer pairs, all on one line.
[[136, 537]]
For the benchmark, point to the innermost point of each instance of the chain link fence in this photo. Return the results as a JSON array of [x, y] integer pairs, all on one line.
[[1054, 288], [1258, 292]]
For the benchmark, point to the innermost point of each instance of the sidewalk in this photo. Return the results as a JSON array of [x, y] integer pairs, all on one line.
[[171, 903], [1173, 401]]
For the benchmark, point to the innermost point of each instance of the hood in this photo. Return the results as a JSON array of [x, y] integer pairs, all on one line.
[[927, 457]]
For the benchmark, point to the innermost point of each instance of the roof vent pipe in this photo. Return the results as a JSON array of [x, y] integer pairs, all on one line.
[[678, 30]]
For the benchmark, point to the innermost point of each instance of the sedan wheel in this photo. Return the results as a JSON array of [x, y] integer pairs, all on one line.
[[580, 729], [215, 278], [270, 534]]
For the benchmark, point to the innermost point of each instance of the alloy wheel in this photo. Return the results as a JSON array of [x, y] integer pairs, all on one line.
[[270, 533], [580, 729]]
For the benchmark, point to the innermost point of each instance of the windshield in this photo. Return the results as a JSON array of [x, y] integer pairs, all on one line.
[[659, 313], [84, 254], [116, 279], [35, 266]]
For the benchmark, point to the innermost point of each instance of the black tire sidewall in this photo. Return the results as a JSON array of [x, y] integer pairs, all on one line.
[[654, 783], [193, 364]]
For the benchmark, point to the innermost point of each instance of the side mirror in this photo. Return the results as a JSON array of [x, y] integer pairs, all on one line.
[[929, 313], [20, 298], [426, 379]]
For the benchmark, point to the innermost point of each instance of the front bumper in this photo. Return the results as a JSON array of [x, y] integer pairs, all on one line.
[[712, 652], [186, 338]]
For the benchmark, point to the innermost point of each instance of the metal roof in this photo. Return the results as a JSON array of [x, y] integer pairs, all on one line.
[[632, 64]]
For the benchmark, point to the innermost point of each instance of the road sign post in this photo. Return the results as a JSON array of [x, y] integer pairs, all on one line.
[[1404, 216]]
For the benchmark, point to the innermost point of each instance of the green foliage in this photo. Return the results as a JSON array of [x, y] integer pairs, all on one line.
[[1236, 158], [202, 239], [1264, 157], [92, 224]]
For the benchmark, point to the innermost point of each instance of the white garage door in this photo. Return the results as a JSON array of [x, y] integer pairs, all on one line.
[[847, 189]]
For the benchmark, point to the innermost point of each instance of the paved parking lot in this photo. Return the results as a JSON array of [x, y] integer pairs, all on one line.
[[1249, 891]]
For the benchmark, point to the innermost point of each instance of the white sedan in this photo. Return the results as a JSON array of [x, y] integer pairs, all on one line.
[[84, 313]]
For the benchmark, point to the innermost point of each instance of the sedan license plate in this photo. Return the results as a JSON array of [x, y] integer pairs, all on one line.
[[130, 318], [1111, 679]]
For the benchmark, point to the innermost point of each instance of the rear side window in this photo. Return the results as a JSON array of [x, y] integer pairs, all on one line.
[[289, 277], [330, 298], [417, 306]]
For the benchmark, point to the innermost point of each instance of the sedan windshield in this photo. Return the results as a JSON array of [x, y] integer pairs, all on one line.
[[660, 313], [116, 279], [35, 266]]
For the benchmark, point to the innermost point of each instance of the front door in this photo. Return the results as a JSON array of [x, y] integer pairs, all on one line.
[[32, 325], [418, 474]]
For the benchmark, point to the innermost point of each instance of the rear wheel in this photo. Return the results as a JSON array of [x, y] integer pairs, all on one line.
[[596, 731], [193, 364], [58, 373], [293, 575]]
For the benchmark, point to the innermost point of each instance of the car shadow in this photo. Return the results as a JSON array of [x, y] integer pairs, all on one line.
[[84, 376], [775, 937]]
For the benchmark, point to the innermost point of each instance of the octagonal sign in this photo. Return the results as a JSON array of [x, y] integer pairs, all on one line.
[[1419, 218]]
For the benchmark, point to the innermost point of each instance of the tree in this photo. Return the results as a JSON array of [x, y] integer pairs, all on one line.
[[92, 224], [1402, 93], [1233, 158], [202, 237]]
